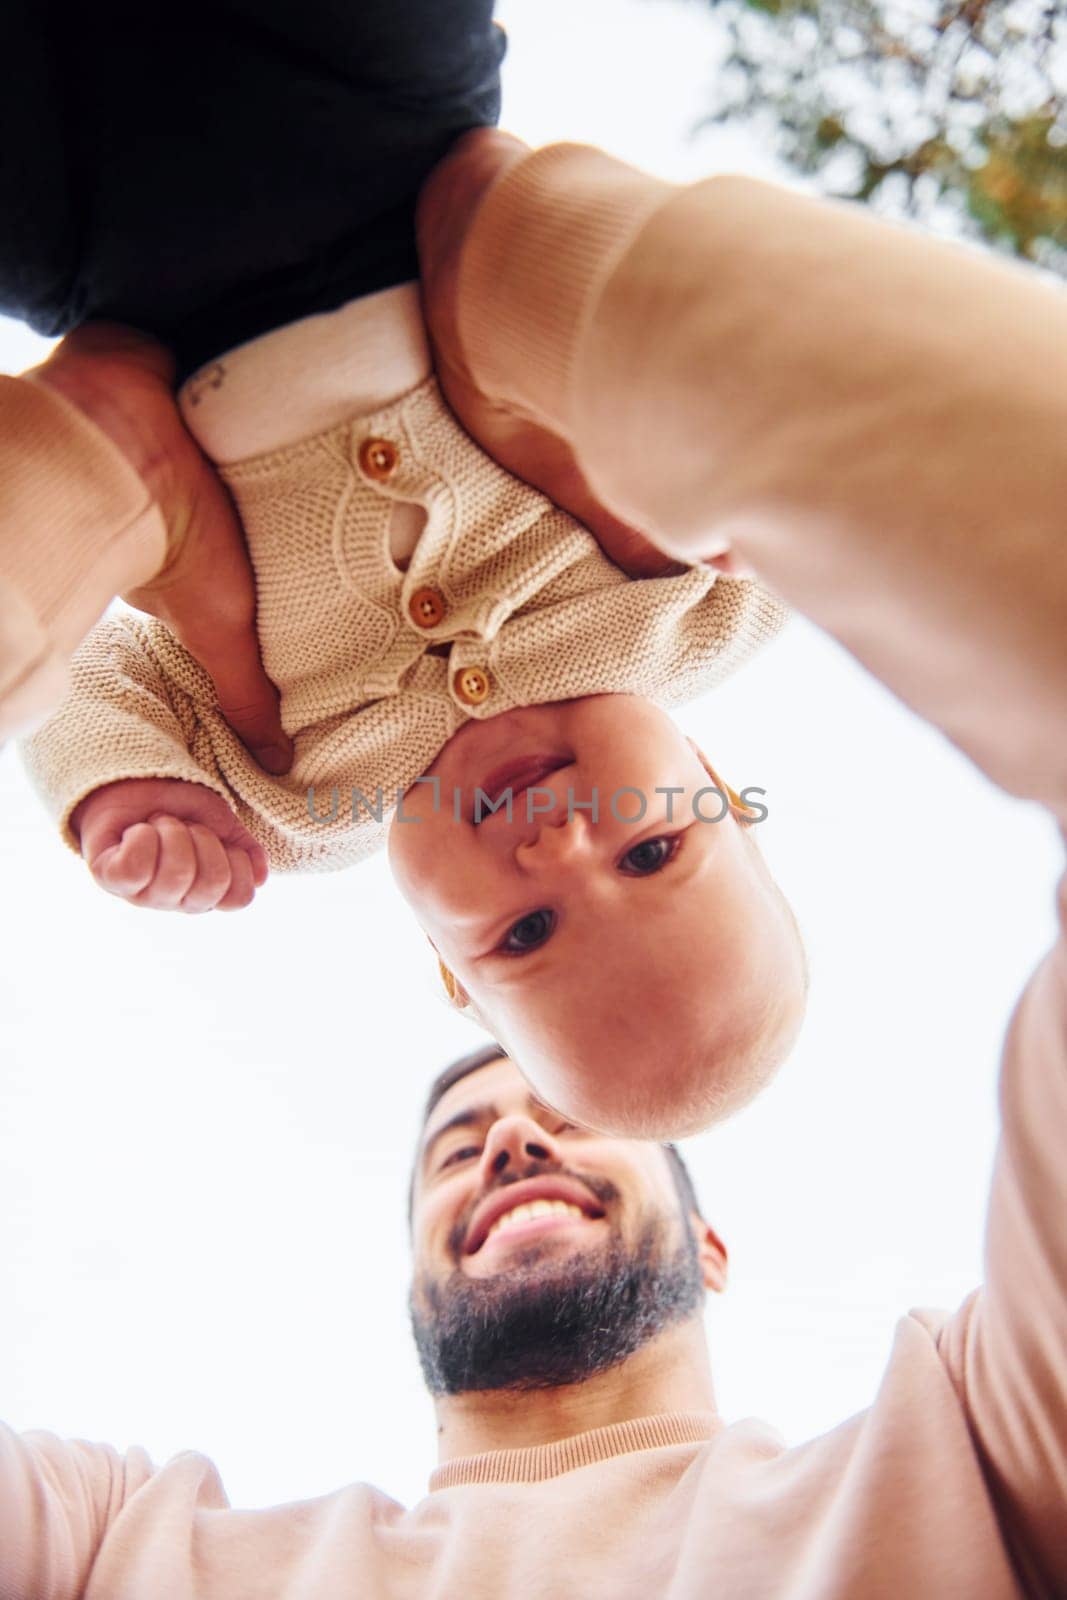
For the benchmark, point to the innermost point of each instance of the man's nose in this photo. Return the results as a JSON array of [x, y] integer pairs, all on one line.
[[512, 1142]]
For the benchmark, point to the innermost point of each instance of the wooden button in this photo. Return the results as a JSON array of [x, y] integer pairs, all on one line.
[[471, 685], [426, 607], [378, 458]]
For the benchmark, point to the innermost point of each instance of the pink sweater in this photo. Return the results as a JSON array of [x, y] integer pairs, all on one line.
[[867, 450]]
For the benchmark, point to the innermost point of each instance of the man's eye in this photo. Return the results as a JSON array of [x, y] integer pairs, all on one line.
[[650, 855], [461, 1154], [529, 932]]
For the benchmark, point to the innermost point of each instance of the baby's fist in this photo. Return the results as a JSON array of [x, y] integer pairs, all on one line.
[[168, 844]]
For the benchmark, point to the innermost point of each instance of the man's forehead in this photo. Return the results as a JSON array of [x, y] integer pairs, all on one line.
[[499, 1089], [499, 1082]]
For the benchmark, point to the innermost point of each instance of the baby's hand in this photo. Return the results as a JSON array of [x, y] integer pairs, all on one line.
[[168, 844]]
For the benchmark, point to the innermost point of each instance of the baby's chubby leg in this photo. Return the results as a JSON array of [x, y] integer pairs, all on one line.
[[168, 844]]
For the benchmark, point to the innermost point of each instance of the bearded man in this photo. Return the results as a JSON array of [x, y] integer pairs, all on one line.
[[557, 1297]]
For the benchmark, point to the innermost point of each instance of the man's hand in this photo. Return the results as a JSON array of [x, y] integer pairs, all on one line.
[[447, 207], [205, 591], [168, 844]]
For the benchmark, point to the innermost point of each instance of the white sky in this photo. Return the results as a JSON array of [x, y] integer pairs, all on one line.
[[206, 1123]]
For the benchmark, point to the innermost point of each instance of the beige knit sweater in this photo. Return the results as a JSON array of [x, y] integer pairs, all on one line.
[[506, 602]]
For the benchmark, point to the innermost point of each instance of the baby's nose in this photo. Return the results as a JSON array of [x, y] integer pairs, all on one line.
[[557, 839]]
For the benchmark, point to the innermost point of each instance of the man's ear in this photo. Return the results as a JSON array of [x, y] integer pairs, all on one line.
[[712, 1253]]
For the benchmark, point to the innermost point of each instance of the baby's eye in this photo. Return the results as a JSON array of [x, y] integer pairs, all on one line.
[[529, 932], [650, 855]]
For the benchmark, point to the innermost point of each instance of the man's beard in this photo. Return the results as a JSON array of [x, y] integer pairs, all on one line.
[[545, 1322]]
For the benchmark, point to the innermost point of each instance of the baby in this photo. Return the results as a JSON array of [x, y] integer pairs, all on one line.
[[462, 669], [442, 635]]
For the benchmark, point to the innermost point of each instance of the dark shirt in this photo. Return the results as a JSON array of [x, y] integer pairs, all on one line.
[[209, 171]]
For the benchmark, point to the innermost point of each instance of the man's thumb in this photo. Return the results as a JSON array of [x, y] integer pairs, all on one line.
[[273, 758], [249, 702]]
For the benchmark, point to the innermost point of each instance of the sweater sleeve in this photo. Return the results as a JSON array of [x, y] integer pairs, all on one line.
[[76, 528], [121, 718], [57, 1501], [876, 420], [873, 418], [1006, 1348]]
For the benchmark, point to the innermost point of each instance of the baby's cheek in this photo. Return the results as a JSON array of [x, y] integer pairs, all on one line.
[[593, 1081], [410, 852], [582, 1090], [452, 896]]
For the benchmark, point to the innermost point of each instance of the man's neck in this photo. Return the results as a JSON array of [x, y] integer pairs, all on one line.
[[670, 1373]]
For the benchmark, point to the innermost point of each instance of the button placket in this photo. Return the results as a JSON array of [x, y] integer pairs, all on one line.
[[431, 560], [389, 470], [392, 465]]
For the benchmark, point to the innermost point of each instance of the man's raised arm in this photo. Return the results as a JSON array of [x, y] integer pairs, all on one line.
[[102, 491], [876, 421]]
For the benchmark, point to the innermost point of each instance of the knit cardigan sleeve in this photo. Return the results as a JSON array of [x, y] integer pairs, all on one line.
[[121, 718]]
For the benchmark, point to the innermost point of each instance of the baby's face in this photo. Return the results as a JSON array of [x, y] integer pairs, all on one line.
[[638, 963]]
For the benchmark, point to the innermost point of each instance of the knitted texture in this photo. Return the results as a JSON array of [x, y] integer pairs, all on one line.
[[573, 213], [369, 696]]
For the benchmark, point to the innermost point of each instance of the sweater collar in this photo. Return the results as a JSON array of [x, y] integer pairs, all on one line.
[[581, 1450]]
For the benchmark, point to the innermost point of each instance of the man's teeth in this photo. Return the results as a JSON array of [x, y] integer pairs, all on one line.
[[534, 1208]]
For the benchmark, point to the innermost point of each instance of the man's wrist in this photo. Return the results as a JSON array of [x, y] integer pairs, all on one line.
[[103, 371], [81, 501], [540, 248], [119, 381]]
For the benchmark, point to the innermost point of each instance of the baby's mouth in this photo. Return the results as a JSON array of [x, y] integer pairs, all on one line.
[[518, 775]]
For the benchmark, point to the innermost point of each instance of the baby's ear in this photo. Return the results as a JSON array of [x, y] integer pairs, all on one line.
[[704, 762], [457, 994], [739, 809]]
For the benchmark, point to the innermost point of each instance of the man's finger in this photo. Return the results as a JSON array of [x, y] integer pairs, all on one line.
[[248, 700], [206, 595]]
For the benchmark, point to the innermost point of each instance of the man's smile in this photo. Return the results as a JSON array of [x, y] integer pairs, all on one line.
[[521, 1210], [527, 1223]]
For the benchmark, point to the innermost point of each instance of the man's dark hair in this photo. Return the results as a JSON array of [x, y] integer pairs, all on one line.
[[489, 1053]]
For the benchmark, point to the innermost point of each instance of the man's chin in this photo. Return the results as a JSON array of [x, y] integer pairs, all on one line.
[[554, 1315]]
